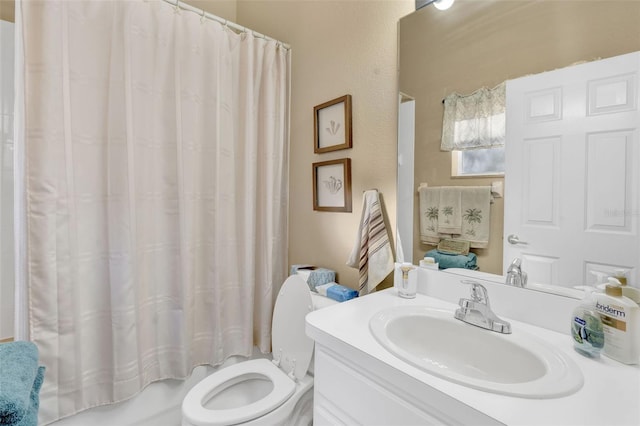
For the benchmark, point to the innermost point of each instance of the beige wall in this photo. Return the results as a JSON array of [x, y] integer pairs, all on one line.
[[477, 44], [339, 47], [7, 10], [223, 8]]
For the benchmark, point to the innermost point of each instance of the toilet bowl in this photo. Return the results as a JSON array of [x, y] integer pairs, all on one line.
[[262, 391]]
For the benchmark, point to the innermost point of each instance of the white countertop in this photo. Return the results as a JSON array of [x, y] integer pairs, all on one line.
[[610, 394]]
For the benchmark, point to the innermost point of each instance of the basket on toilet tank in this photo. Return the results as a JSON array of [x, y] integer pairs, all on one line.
[[262, 391]]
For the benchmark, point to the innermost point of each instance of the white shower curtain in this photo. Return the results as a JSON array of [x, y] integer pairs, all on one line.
[[156, 174]]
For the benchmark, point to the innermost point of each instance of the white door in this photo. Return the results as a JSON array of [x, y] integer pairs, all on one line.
[[572, 164]]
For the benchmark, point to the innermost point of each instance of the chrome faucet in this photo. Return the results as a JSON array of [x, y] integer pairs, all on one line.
[[515, 275], [477, 311]]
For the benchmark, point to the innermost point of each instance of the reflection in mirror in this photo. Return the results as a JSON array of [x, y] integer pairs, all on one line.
[[571, 162], [6, 181], [481, 44], [404, 203]]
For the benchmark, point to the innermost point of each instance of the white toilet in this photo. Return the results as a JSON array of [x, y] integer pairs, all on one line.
[[260, 391]]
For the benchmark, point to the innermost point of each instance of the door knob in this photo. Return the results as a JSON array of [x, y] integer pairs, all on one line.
[[513, 239]]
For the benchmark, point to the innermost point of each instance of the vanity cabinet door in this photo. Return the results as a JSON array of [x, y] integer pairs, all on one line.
[[343, 395], [355, 389]]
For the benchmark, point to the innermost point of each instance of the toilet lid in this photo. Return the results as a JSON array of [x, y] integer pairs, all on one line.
[[290, 343], [195, 413]]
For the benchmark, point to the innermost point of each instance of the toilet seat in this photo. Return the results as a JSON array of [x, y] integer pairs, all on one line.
[[193, 404], [292, 348], [292, 352]]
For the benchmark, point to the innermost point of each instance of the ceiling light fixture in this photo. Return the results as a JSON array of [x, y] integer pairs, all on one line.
[[439, 4]]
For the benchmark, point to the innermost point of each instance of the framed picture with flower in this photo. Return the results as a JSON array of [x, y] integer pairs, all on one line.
[[332, 125], [332, 185]]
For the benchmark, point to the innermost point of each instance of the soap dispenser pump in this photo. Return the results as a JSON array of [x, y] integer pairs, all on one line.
[[621, 276], [407, 285], [601, 277], [632, 293]]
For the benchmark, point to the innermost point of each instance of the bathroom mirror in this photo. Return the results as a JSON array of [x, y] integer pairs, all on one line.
[[481, 44], [6, 180]]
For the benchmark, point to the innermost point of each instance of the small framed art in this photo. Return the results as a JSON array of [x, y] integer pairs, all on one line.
[[332, 125], [332, 185]]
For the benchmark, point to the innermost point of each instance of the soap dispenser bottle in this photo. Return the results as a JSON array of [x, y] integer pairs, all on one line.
[[586, 327], [407, 285], [620, 322]]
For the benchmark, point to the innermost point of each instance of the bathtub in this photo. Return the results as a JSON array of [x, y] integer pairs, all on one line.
[[159, 404]]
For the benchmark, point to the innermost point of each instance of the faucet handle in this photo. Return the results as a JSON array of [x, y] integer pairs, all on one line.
[[516, 263], [478, 292]]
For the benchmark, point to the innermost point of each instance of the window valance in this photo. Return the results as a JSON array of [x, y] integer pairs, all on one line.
[[474, 121]]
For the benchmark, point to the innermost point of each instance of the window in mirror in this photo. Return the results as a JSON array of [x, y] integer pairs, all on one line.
[[473, 129], [478, 162]]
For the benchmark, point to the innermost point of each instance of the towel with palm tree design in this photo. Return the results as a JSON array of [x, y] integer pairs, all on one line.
[[475, 215], [429, 211], [449, 217], [439, 214]]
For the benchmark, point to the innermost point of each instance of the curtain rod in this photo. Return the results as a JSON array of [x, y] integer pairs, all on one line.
[[232, 25]]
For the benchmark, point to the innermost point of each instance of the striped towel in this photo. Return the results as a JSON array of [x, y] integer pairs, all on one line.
[[371, 254]]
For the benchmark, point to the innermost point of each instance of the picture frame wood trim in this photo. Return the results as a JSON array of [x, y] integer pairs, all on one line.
[[319, 147], [321, 188]]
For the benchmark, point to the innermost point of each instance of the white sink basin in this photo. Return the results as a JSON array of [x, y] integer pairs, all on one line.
[[515, 364]]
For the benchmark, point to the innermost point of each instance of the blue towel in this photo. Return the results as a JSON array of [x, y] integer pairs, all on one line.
[[20, 381], [337, 292], [445, 260], [31, 416], [341, 293]]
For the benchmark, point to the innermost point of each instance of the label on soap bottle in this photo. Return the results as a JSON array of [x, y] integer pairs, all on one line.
[[618, 340], [587, 333]]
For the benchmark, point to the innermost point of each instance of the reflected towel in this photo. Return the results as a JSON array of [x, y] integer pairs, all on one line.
[[475, 214], [449, 213], [371, 253], [429, 208], [446, 260], [476, 201]]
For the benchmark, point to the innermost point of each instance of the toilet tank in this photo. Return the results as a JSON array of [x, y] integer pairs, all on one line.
[[319, 301]]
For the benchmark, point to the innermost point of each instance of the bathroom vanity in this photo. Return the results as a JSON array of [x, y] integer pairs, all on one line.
[[359, 381]]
